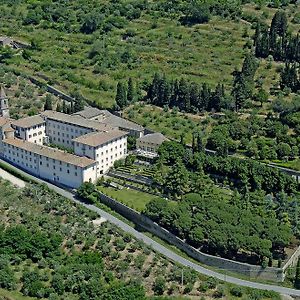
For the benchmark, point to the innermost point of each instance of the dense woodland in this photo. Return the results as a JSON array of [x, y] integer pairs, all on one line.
[[204, 215]]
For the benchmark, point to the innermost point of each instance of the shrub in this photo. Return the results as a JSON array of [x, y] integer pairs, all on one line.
[[236, 291], [159, 285]]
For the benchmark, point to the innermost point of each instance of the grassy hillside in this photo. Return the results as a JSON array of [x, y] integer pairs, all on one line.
[[137, 48]]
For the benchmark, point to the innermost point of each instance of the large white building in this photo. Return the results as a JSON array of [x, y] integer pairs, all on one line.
[[95, 146]]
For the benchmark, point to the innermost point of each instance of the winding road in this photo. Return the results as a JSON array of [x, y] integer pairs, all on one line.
[[158, 247]]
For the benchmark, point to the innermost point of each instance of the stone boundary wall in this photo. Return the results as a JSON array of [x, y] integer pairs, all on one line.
[[292, 261], [251, 271], [52, 89], [133, 178]]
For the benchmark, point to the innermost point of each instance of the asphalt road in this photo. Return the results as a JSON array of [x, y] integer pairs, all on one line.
[[163, 250]]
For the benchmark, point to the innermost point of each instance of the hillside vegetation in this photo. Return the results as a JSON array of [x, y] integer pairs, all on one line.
[[53, 249], [91, 45]]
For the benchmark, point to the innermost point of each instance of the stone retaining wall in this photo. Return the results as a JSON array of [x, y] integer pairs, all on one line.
[[251, 271]]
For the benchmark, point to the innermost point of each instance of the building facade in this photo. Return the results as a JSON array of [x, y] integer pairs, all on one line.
[[105, 148], [150, 142], [48, 163], [62, 128], [96, 146], [31, 129]]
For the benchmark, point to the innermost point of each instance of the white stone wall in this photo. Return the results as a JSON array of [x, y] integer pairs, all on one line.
[[50, 169], [63, 133], [34, 134], [105, 154]]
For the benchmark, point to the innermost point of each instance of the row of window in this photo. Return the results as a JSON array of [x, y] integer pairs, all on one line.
[[149, 149], [33, 127], [61, 127], [18, 150], [35, 134]]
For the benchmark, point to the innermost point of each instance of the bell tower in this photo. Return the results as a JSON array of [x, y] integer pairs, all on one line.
[[4, 108]]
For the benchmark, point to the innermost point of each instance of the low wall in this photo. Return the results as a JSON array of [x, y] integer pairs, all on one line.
[[292, 261], [133, 178], [251, 271]]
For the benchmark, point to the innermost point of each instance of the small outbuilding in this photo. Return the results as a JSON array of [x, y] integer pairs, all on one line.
[[148, 145]]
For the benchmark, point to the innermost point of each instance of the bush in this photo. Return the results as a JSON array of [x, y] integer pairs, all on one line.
[[236, 291], [220, 292], [159, 285]]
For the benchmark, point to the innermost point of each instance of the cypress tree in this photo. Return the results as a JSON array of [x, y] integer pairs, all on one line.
[[78, 104], [64, 107], [200, 145], [257, 33], [278, 27], [205, 96], [48, 102], [72, 107], [167, 92], [175, 94], [130, 91], [216, 98], [194, 142], [194, 95], [121, 98], [183, 95], [297, 276], [262, 48], [153, 89], [58, 107]]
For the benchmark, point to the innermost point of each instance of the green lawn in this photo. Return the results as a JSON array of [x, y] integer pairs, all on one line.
[[129, 197]]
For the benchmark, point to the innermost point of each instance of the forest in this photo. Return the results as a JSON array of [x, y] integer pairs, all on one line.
[[204, 215]]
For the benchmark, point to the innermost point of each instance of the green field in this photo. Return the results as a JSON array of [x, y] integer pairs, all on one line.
[[132, 198]]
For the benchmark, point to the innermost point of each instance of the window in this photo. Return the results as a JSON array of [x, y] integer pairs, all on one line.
[[68, 171], [53, 167], [75, 173]]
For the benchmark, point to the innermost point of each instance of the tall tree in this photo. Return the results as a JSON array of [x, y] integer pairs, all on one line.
[[297, 277], [121, 98], [48, 102], [130, 91]]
